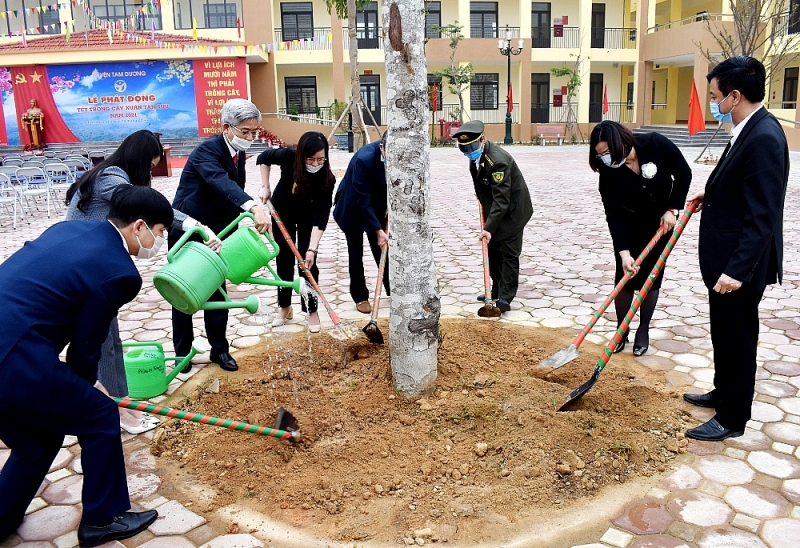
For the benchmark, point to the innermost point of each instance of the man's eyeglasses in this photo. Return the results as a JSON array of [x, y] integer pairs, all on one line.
[[249, 133]]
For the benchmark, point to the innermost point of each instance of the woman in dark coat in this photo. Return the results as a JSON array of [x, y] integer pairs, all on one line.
[[644, 180], [303, 199]]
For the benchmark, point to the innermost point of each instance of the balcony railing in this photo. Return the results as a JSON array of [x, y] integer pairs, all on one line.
[[614, 38], [498, 115], [782, 104], [691, 19], [492, 32], [786, 25], [431, 33], [658, 106], [305, 39], [621, 112], [323, 116], [447, 112], [544, 37], [366, 40], [546, 113]]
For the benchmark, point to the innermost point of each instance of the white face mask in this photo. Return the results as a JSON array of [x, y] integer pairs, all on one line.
[[240, 143], [149, 252], [314, 169]]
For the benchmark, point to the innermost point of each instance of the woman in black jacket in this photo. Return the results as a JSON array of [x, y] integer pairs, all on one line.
[[303, 200], [644, 180]]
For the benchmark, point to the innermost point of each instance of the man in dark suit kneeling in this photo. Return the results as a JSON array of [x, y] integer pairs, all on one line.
[[741, 239], [63, 288]]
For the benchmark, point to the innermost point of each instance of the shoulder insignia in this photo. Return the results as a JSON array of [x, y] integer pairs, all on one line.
[[498, 176], [489, 159]]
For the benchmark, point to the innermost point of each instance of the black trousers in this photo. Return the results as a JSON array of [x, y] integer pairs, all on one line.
[[286, 261], [35, 432], [504, 266], [355, 252], [734, 336]]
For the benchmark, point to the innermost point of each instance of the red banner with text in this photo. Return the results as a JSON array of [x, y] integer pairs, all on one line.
[[216, 81]]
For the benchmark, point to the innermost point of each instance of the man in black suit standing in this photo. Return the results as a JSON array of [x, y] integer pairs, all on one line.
[[211, 190], [741, 239]]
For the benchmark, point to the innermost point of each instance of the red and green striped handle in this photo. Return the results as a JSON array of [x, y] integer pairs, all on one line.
[[205, 419], [487, 295], [614, 292], [640, 297], [334, 318]]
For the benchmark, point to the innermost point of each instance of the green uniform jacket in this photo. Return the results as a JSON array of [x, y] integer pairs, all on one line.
[[502, 191]]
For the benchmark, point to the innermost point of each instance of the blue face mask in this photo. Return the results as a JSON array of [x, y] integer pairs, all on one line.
[[606, 159], [725, 118], [474, 155]]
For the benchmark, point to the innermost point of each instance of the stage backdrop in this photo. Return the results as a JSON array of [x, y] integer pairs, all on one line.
[[108, 101]]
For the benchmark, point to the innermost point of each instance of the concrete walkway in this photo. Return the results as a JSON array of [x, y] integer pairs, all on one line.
[[744, 492]]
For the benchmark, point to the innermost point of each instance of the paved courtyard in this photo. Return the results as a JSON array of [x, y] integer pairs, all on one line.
[[742, 493]]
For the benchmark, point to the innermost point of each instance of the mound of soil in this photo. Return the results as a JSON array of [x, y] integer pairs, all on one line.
[[483, 449]]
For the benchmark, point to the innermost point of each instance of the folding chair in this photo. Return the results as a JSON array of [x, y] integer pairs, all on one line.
[[49, 154], [32, 163], [60, 177], [77, 167], [35, 183], [9, 199], [47, 161], [97, 156], [12, 161]]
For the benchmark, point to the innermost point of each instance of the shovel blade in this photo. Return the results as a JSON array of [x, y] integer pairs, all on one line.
[[560, 358], [344, 331], [373, 333], [287, 422], [489, 311], [581, 390]]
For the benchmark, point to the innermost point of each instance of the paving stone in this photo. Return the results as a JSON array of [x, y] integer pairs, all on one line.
[[167, 542], [70, 540], [691, 360], [644, 517], [742, 521], [783, 368], [790, 405], [49, 523], [142, 485], [724, 470], [699, 509], [657, 541], [783, 432], [656, 363], [727, 537], [234, 541], [682, 478], [36, 504], [617, 538], [65, 491], [766, 412], [757, 502], [35, 544], [776, 389], [673, 346], [62, 459], [781, 533], [775, 464], [141, 460], [174, 519]]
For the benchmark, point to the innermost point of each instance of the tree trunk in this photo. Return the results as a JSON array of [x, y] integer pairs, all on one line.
[[355, 84], [414, 321]]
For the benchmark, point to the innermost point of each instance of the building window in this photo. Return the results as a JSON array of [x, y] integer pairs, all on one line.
[[297, 20], [483, 91], [49, 18], [483, 19], [116, 10], [301, 95], [435, 79], [220, 16], [433, 19], [790, 76], [794, 16]]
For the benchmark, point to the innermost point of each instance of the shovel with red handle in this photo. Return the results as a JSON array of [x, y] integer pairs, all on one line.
[[488, 310], [371, 329], [637, 302]]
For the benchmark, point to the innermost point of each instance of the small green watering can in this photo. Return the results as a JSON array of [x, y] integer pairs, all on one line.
[[192, 274], [146, 371], [246, 252]]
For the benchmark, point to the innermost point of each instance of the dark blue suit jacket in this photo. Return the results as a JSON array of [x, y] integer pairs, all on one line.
[[361, 199], [741, 228], [211, 188], [63, 288]]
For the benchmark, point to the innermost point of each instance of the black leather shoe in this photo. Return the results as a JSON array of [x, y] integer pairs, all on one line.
[[125, 525], [701, 400], [187, 368], [640, 350], [712, 431], [503, 305], [621, 346], [225, 361]]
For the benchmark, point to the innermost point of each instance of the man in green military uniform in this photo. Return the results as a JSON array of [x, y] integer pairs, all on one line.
[[503, 193]]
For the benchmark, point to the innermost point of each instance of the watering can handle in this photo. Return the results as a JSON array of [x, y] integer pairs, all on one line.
[[184, 239], [247, 215], [157, 344]]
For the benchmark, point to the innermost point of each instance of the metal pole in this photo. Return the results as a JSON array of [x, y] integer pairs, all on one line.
[[508, 139]]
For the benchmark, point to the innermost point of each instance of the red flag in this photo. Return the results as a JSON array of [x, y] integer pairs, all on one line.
[[510, 99], [605, 99], [435, 97], [696, 121], [239, 27]]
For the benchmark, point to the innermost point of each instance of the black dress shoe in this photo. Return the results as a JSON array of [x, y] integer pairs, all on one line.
[[639, 350], [225, 361], [712, 431], [503, 305], [702, 400], [125, 525], [621, 346], [187, 368]]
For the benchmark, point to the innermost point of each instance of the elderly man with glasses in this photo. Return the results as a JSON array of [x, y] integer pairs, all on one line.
[[502, 191], [211, 190]]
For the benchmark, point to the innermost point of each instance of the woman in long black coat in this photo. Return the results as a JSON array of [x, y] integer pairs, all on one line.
[[644, 180]]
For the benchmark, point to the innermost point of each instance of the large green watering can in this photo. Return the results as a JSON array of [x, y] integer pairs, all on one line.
[[146, 371], [247, 251], [192, 274]]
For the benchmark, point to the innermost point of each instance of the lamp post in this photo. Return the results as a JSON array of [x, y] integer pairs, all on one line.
[[508, 50]]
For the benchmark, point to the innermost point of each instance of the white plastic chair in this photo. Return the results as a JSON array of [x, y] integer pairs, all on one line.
[[60, 177], [35, 183], [77, 166], [9, 199]]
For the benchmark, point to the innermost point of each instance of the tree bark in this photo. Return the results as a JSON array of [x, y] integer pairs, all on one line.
[[414, 321], [355, 83]]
